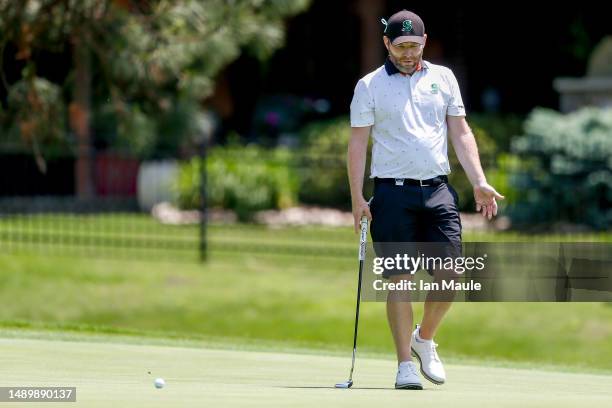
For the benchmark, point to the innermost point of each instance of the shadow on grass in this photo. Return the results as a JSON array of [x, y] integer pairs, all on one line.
[[331, 387]]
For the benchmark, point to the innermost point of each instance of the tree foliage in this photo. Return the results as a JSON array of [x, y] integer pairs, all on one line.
[[566, 171], [151, 56]]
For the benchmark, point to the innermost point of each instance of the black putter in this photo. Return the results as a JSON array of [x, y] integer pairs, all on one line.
[[362, 252]]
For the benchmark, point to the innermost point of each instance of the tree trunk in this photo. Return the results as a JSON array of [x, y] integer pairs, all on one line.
[[79, 118], [372, 46]]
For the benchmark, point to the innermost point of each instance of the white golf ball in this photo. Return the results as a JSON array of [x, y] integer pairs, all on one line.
[[159, 383]]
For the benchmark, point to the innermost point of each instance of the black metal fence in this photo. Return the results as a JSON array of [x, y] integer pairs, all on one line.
[[42, 209], [154, 209], [134, 209]]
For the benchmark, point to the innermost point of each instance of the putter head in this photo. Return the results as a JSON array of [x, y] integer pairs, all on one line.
[[346, 384]]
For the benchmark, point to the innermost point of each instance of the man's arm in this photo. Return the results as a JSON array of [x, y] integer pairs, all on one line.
[[464, 143], [356, 161]]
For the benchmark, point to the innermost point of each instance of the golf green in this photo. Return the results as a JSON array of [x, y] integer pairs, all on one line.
[[116, 373]]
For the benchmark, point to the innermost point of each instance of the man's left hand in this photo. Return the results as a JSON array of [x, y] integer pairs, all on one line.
[[485, 197]]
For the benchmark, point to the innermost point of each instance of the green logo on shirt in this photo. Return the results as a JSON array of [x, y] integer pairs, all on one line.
[[434, 88], [407, 25]]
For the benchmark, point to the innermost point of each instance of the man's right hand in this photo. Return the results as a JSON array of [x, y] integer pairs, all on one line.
[[360, 208]]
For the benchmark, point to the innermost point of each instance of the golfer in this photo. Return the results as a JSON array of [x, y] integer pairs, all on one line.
[[409, 106]]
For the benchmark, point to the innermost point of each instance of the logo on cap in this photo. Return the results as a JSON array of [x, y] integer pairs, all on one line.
[[407, 25]]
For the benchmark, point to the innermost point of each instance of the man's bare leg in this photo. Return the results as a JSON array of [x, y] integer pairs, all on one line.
[[399, 315], [432, 317], [435, 308]]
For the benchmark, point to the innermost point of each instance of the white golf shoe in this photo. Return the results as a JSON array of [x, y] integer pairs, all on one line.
[[408, 377], [425, 352]]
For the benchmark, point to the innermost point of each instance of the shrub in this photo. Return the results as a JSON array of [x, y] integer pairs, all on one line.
[[322, 164], [500, 128], [323, 175], [243, 179], [569, 177], [487, 150]]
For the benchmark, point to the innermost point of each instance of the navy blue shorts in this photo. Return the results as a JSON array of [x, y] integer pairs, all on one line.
[[415, 214]]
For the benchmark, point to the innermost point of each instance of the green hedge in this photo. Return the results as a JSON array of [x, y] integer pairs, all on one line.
[[500, 128], [322, 164], [487, 150], [247, 179], [244, 179], [323, 176], [565, 169]]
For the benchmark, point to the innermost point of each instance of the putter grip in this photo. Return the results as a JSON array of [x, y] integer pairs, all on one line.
[[363, 238]]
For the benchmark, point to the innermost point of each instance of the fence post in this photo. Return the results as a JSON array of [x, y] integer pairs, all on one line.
[[203, 203]]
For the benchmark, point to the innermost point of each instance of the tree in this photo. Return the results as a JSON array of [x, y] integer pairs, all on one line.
[[154, 57]]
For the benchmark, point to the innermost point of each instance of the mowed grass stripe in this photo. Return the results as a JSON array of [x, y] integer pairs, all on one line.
[[116, 374]]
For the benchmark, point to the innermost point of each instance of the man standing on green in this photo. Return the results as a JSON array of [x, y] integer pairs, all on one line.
[[410, 106]]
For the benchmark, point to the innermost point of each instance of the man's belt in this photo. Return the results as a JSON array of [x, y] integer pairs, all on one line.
[[412, 182]]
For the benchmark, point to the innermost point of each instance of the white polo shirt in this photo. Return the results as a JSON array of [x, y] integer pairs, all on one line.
[[408, 118]]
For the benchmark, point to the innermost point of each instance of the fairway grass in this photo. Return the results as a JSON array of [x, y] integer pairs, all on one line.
[[109, 371], [307, 303]]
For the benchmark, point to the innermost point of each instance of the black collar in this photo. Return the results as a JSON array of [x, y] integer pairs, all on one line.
[[392, 69]]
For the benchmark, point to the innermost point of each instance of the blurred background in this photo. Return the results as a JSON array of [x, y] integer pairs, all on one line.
[[211, 136]]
